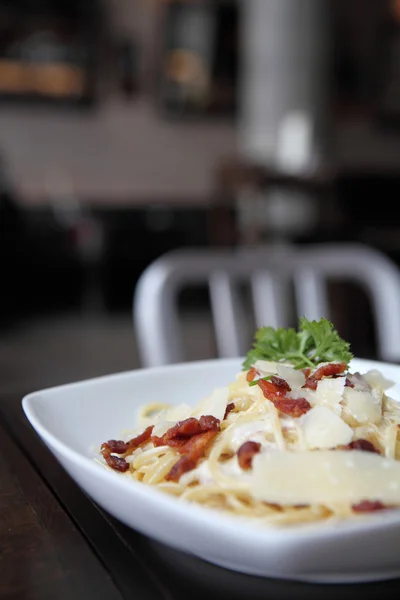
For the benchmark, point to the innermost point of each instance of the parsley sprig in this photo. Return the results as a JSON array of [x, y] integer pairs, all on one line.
[[313, 343]]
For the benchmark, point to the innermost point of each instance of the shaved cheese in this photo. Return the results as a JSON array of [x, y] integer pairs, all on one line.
[[304, 393], [178, 413], [295, 378], [323, 476], [329, 393], [364, 407], [265, 367], [214, 405], [322, 428], [377, 380], [169, 417], [359, 382]]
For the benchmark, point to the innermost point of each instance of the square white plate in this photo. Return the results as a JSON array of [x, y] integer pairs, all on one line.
[[73, 419]]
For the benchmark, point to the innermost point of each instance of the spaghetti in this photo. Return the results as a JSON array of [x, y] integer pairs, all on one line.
[[280, 444]]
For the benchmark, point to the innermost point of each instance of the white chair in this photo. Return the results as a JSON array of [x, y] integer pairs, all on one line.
[[270, 273]]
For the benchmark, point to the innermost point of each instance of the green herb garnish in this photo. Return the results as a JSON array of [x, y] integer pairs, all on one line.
[[315, 342], [255, 382]]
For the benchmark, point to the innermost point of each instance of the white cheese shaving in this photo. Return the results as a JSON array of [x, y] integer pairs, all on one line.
[[377, 380], [329, 393], [214, 405], [169, 417], [266, 367], [320, 477], [322, 428], [295, 378], [364, 407], [177, 413]]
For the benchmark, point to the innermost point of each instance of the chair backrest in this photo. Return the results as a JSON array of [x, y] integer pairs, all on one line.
[[270, 272]]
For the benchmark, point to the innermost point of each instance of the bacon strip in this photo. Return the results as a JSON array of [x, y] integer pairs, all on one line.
[[183, 429], [329, 370], [117, 446], [365, 445], [192, 451], [194, 448], [295, 407], [184, 464], [116, 462], [190, 438], [246, 452], [177, 435], [120, 447], [209, 423], [361, 444], [251, 374], [229, 407], [281, 384], [141, 438], [108, 449], [368, 506]]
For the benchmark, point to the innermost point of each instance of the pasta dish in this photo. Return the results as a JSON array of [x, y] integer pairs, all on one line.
[[296, 437]]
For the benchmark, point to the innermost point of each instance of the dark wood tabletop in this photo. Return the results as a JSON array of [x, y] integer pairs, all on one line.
[[56, 544]]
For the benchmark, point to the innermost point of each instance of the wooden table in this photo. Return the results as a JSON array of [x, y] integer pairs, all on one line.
[[56, 544]]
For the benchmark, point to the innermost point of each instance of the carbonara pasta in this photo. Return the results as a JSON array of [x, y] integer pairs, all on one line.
[[280, 443]]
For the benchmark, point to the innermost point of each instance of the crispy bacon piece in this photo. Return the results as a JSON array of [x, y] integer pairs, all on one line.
[[157, 441], [329, 370], [229, 407], [280, 383], [209, 423], [117, 446], [196, 446], [368, 506], [295, 407], [116, 462], [192, 451], [108, 449], [183, 429], [306, 372], [362, 444], [178, 435], [270, 390], [120, 447], [251, 374], [141, 438], [246, 452], [184, 464]]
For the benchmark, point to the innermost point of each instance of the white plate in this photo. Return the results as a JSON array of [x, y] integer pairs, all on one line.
[[72, 419]]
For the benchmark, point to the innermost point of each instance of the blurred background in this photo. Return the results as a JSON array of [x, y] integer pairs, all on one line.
[[129, 128]]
